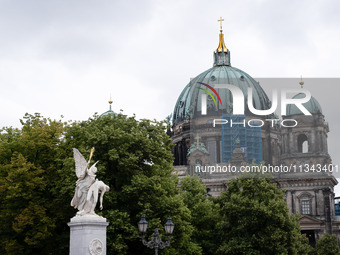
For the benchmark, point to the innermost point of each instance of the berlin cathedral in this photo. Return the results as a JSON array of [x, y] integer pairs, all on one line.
[[213, 142]]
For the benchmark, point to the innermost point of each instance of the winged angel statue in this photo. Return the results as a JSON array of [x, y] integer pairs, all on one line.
[[88, 186]]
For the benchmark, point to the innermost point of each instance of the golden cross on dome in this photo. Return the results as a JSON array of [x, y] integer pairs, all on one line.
[[221, 20]]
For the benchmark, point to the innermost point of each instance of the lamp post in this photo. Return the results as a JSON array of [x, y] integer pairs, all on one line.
[[156, 241]]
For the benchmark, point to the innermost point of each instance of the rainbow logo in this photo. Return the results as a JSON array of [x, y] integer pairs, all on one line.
[[209, 93]]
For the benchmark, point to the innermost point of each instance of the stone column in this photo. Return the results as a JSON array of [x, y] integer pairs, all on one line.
[[326, 193], [297, 204], [291, 144], [313, 203], [289, 201], [293, 202], [313, 144], [88, 235], [316, 197], [211, 144], [321, 204]]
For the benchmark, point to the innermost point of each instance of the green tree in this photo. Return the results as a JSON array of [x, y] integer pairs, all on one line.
[[136, 162], [204, 213], [37, 182], [28, 167], [327, 245], [255, 220]]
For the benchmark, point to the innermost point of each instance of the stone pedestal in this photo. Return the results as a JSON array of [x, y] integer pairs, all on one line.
[[88, 235]]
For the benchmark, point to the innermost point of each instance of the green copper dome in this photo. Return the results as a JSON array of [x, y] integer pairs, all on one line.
[[109, 112], [189, 101], [312, 106]]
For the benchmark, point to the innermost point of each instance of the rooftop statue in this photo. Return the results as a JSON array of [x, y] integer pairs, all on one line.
[[88, 186]]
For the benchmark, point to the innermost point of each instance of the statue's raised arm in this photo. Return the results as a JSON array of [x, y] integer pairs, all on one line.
[[84, 196]]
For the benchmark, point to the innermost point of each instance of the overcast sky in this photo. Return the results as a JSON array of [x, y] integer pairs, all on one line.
[[66, 57]]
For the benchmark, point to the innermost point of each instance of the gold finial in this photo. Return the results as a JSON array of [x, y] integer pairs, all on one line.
[[220, 20], [301, 82], [221, 45], [110, 101], [221, 54]]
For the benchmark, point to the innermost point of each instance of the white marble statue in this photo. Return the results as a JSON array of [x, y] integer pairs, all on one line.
[[87, 186]]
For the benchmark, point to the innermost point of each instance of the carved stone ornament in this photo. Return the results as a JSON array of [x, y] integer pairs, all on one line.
[[96, 247]]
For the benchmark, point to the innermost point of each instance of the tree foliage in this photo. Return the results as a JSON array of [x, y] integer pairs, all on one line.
[[204, 213], [136, 162], [37, 182], [327, 245], [255, 220], [28, 166]]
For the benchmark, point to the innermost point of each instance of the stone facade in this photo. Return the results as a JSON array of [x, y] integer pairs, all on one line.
[[307, 192]]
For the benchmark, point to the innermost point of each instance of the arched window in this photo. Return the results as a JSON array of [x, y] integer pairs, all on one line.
[[302, 143], [305, 203], [305, 206]]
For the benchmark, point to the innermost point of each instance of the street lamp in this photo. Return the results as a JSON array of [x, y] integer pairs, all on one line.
[[156, 241], [142, 225]]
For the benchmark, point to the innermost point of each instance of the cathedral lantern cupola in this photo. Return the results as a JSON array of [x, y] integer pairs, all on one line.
[[221, 54], [109, 112]]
